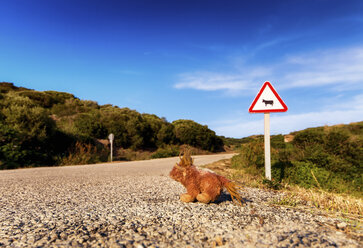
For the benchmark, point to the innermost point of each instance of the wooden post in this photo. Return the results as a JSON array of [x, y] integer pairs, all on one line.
[[267, 147]]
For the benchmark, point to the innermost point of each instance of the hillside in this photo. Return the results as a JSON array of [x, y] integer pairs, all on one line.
[[54, 128]]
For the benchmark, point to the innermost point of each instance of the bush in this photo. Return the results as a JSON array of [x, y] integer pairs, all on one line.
[[83, 153], [131, 130], [11, 152], [166, 135], [308, 137], [90, 125], [235, 143], [277, 141], [336, 142], [20, 149], [191, 133], [169, 151], [29, 136], [7, 87], [300, 174], [59, 97], [251, 155], [328, 158], [40, 98]]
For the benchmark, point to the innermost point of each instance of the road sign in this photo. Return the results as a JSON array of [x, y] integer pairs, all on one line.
[[267, 100]]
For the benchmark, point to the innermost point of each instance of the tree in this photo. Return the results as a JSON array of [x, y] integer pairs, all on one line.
[[194, 134], [90, 125]]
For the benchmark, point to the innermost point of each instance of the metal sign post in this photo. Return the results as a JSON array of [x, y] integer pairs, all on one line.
[[111, 138], [267, 147], [266, 101]]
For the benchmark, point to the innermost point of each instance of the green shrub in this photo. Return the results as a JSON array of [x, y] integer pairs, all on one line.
[[33, 122], [20, 149], [235, 142], [40, 98], [83, 153], [69, 108], [11, 152], [59, 97], [279, 170], [300, 174], [166, 135], [329, 158], [191, 133], [336, 142], [90, 125], [169, 151], [277, 141], [28, 133], [272, 184], [316, 154], [251, 155], [355, 128], [308, 137], [14, 99], [131, 130], [7, 87], [237, 162]]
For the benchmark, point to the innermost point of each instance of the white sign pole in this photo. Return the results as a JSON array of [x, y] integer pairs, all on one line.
[[111, 138], [267, 147], [111, 141]]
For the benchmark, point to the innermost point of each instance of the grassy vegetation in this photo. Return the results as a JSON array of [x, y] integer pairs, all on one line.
[[83, 153], [321, 168], [294, 195], [236, 143], [328, 158], [320, 199], [164, 152], [57, 128]]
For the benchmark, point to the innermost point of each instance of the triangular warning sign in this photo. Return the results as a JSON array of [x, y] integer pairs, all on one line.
[[267, 100]]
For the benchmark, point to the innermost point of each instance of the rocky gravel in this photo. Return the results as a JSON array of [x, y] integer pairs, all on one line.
[[136, 204]]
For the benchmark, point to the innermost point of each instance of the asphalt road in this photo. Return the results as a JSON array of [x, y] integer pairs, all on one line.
[[136, 204]]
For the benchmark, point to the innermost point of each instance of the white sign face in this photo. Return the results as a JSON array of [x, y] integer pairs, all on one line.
[[267, 100], [111, 136]]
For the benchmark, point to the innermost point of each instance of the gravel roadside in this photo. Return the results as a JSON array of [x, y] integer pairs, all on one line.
[[136, 204]]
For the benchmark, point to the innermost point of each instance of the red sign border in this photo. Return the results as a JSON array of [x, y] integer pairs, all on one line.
[[267, 110]]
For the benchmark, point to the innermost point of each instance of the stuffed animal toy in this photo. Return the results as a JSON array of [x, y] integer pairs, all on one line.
[[203, 186]]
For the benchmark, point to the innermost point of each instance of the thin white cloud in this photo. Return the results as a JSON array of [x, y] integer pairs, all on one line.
[[274, 42], [336, 67], [354, 103], [339, 66], [231, 83], [211, 81], [284, 123]]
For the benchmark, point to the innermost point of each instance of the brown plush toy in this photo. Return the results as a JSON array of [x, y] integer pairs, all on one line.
[[203, 186]]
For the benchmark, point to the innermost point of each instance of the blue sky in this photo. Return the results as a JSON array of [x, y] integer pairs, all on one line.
[[198, 59]]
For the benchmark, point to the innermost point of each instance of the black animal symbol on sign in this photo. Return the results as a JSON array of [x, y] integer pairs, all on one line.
[[268, 102]]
